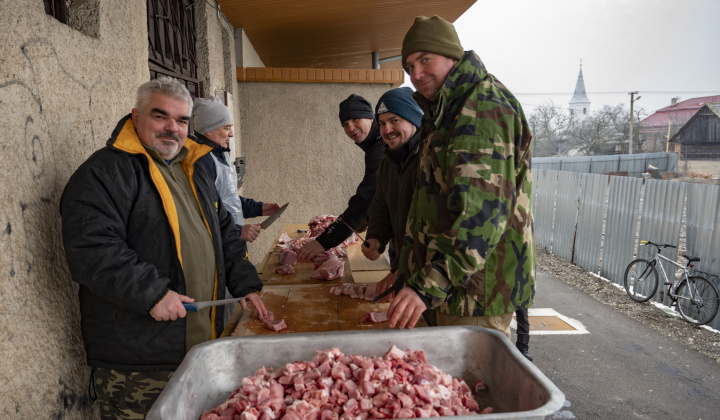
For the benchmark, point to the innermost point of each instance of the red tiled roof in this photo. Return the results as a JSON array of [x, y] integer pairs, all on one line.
[[678, 113]]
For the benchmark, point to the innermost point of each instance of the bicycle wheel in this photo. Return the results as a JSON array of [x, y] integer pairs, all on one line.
[[641, 280], [697, 300]]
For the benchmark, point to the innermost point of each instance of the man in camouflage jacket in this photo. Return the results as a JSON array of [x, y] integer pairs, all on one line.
[[469, 248]]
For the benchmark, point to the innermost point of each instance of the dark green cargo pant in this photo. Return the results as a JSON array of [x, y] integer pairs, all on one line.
[[128, 395]]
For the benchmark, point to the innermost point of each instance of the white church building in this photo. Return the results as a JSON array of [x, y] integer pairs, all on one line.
[[580, 104]]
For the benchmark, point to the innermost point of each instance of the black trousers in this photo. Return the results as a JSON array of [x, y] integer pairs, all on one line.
[[523, 329]]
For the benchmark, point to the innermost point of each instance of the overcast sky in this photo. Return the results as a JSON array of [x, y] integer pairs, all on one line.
[[661, 48]]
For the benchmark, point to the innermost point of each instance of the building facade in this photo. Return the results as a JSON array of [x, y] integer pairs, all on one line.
[[65, 81]]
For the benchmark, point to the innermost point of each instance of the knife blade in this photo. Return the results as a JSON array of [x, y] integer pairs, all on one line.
[[196, 306], [395, 288], [367, 245], [273, 217]]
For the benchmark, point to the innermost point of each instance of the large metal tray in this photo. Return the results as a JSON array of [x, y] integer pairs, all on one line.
[[517, 389]]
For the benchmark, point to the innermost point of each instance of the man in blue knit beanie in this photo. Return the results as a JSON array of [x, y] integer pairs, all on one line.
[[399, 119]]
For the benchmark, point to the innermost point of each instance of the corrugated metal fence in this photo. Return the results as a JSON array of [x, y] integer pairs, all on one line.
[[597, 221], [632, 164]]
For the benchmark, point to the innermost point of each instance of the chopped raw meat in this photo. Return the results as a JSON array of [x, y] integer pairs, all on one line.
[[271, 323], [287, 257], [285, 269], [375, 317], [370, 291], [479, 386], [284, 238], [316, 227], [356, 290], [335, 386], [329, 270], [276, 325]]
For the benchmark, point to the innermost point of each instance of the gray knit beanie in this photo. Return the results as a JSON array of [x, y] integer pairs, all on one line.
[[400, 102], [210, 114], [434, 35]]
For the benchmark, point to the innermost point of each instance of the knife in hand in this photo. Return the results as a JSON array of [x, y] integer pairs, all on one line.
[[367, 245], [196, 306], [396, 287], [273, 217]]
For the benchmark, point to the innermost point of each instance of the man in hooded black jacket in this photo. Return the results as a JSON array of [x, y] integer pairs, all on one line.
[[358, 120]]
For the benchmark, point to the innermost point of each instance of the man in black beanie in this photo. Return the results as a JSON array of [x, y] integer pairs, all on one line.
[[358, 121]]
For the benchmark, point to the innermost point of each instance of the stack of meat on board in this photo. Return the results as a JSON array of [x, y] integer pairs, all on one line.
[[328, 265], [400, 384], [364, 291]]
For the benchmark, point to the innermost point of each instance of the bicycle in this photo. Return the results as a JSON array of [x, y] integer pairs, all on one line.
[[696, 297]]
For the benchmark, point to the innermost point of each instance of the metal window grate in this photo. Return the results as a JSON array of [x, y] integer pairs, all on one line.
[[57, 9], [171, 42]]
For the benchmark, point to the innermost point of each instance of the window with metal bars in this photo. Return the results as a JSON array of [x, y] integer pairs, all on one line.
[[57, 9], [171, 42]]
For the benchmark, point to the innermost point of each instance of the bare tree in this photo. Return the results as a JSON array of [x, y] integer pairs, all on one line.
[[549, 124], [602, 130]]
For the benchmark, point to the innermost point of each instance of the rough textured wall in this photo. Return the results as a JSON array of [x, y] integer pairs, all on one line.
[[61, 93], [216, 56], [296, 150]]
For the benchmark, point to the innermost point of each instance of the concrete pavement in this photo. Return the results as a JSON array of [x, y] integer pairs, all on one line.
[[620, 369]]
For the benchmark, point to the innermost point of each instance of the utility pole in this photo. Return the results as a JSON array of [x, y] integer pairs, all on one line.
[[632, 101]]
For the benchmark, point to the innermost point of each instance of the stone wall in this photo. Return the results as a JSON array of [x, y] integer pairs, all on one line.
[[62, 92]]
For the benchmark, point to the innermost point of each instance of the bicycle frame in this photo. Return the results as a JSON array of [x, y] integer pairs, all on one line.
[[696, 297], [672, 283]]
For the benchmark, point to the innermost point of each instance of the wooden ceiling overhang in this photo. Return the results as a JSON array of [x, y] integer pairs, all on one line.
[[332, 34]]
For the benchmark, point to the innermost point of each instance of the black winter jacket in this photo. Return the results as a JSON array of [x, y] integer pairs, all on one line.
[[356, 214], [396, 181], [121, 238]]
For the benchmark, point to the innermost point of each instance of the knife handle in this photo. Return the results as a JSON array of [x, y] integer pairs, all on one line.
[[190, 307]]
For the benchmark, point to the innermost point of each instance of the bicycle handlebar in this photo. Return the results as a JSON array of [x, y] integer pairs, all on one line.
[[658, 246]]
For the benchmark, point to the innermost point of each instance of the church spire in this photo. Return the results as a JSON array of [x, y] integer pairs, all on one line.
[[580, 104]]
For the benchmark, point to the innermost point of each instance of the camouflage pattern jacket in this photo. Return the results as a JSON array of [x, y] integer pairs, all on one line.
[[469, 246]]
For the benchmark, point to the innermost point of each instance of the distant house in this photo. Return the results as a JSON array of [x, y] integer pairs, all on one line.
[[699, 138], [654, 129]]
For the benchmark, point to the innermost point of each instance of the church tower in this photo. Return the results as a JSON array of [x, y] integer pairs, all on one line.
[[580, 104]]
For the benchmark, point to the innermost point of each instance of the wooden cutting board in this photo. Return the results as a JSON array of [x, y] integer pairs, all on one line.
[[301, 274], [266, 269], [311, 308], [358, 262]]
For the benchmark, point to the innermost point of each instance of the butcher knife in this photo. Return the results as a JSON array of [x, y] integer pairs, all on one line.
[[196, 306], [273, 217], [367, 245]]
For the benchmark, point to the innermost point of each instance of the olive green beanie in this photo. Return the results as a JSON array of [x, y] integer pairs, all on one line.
[[434, 35]]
